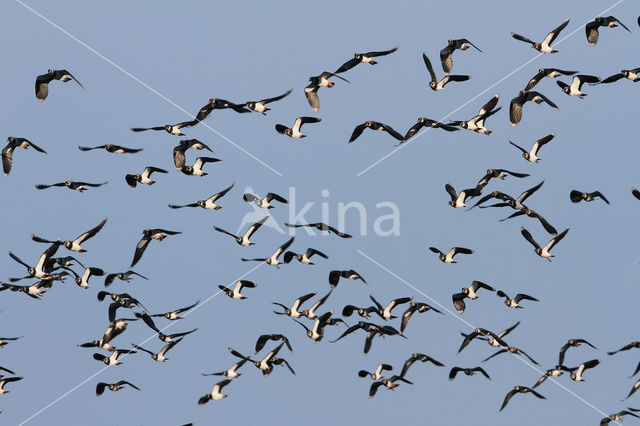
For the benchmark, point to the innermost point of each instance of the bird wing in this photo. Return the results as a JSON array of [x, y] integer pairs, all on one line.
[[554, 34], [357, 131], [311, 92], [427, 62], [271, 196], [556, 240], [140, 248], [528, 237], [348, 65], [253, 228], [522, 38]]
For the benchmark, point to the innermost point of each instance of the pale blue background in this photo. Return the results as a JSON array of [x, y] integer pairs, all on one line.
[[191, 51]]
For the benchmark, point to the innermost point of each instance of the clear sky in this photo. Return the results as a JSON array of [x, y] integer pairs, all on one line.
[[188, 52]]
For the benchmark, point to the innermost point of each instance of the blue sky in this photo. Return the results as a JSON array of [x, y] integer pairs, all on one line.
[[191, 52]]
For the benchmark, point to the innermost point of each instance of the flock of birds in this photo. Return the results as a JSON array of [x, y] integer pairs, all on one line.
[[51, 268]]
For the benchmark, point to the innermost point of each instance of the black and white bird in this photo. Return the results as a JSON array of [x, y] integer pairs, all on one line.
[[7, 151], [532, 155], [304, 257], [519, 389], [235, 292], [311, 312], [266, 364], [315, 83], [577, 196], [166, 338], [75, 245], [160, 356], [389, 383], [448, 258], [264, 202], [509, 201], [273, 259], [633, 390], [628, 74], [617, 417], [545, 45], [175, 315], [37, 271], [209, 203], [543, 252], [571, 343], [515, 107], [512, 350], [576, 84], [418, 357], [436, 85], [632, 345], [73, 185], [363, 58], [320, 227], [112, 359], [546, 72], [263, 339], [316, 333], [467, 371], [217, 103], [216, 392], [147, 236], [294, 132], [143, 177], [83, 281], [385, 312], [196, 169], [471, 291], [334, 276], [557, 371], [427, 122], [577, 372], [179, 158], [414, 307], [591, 28], [458, 199], [42, 82], [260, 106], [244, 239], [294, 310], [114, 387], [114, 149], [377, 374], [476, 123], [173, 129], [231, 373], [446, 54], [514, 303], [374, 125]]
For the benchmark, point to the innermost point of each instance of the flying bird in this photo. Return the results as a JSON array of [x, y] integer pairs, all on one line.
[[334, 276], [363, 58], [377, 374], [458, 199], [467, 371], [321, 227], [436, 85], [476, 124], [304, 257], [515, 107], [628, 74], [446, 54], [617, 417], [75, 245], [514, 303], [578, 371], [160, 356], [217, 103], [577, 196], [571, 343], [591, 28], [175, 315], [294, 132], [75, 186], [235, 293], [42, 82], [179, 158], [7, 151], [273, 260], [448, 258], [546, 72], [114, 149], [143, 177], [543, 252], [576, 84], [216, 392], [520, 389], [427, 122], [374, 125], [244, 239], [264, 202], [315, 83], [196, 169], [545, 45], [532, 155], [209, 203], [173, 129], [114, 387], [147, 236], [260, 106]]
